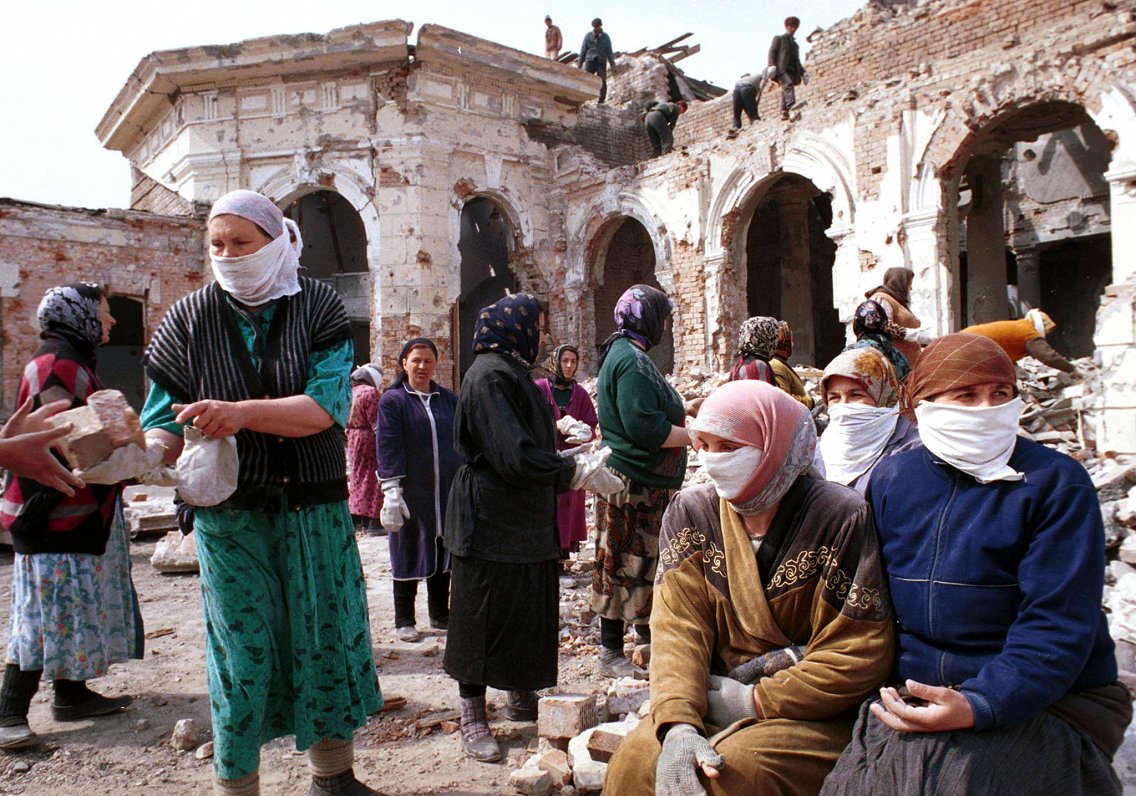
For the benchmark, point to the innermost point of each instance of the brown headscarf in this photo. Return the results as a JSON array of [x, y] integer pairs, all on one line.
[[897, 284], [953, 361]]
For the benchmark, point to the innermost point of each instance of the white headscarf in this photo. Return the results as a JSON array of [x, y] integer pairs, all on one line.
[[270, 272]]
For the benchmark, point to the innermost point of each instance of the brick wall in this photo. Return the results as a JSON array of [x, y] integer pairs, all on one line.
[[153, 259]]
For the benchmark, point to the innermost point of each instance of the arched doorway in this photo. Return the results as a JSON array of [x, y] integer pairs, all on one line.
[[628, 259], [335, 252], [788, 266], [1033, 221], [120, 360], [485, 243]]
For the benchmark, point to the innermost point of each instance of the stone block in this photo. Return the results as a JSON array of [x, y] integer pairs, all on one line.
[[175, 553], [626, 695], [531, 780], [555, 762], [186, 736], [587, 774], [603, 744], [566, 715], [105, 423]]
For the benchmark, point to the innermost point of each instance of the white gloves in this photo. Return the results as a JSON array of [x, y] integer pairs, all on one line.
[[394, 512], [592, 475], [681, 760], [125, 463], [728, 701], [922, 336], [576, 432]]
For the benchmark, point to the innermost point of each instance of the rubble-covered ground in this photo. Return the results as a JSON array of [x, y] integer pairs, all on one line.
[[413, 747]]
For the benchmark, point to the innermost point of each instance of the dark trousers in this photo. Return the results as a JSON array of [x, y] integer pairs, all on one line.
[[662, 139], [745, 99], [788, 92], [437, 599], [598, 68]]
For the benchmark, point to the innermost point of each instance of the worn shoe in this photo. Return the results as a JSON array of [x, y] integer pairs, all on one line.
[[613, 664], [96, 705], [18, 736], [343, 784], [440, 624], [520, 705], [733, 132], [408, 633], [484, 749]]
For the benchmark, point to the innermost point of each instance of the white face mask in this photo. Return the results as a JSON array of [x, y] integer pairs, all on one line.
[[731, 470], [855, 438], [270, 272], [978, 440]]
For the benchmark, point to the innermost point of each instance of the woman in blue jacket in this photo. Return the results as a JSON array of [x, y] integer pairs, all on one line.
[[1005, 677]]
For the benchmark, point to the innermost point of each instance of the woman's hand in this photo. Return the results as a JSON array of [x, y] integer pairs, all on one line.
[[26, 441], [945, 709], [212, 418]]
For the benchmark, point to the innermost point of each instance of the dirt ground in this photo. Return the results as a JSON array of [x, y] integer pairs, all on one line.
[[403, 751]]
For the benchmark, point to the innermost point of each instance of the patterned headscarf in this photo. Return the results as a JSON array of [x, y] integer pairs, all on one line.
[[510, 327], [759, 414], [73, 311], [953, 361], [255, 207], [870, 318], [758, 337], [558, 379], [897, 284], [410, 345], [640, 314], [871, 369], [784, 348]]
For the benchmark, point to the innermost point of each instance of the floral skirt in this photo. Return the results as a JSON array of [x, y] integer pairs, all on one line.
[[287, 639], [74, 614]]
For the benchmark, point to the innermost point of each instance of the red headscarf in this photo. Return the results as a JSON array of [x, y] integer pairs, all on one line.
[[953, 361]]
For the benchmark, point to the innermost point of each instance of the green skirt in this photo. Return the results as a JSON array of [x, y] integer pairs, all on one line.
[[288, 642]]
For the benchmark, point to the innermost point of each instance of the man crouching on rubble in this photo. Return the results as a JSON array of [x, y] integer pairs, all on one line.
[[754, 690]]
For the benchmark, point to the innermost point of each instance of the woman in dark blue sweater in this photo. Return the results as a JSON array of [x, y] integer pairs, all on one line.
[[1005, 675]]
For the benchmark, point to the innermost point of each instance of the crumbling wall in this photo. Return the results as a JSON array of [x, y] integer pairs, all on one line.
[[155, 260]]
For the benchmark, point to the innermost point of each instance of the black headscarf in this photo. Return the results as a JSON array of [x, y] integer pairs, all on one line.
[[511, 327], [897, 284], [640, 314], [870, 318], [410, 345], [558, 379], [73, 313]]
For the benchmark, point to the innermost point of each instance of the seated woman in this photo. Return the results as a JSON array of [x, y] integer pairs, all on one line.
[[810, 643], [994, 551], [864, 424], [870, 325]]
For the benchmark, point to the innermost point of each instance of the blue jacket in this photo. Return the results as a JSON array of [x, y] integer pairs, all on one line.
[[997, 587]]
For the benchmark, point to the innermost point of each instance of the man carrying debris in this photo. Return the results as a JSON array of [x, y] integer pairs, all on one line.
[[553, 41], [596, 54], [1025, 337], [661, 118], [785, 58], [747, 93]]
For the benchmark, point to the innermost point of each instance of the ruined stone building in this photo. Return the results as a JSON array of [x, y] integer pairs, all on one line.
[[990, 145]]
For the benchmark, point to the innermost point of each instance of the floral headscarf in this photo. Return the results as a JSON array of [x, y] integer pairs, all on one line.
[[870, 318], [510, 327], [870, 368], [758, 337], [73, 311], [640, 314], [558, 379]]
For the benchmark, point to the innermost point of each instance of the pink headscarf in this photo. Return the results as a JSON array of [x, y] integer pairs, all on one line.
[[255, 207], [759, 414]]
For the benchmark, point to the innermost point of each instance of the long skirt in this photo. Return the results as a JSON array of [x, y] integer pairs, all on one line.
[[74, 614], [287, 639], [627, 551], [781, 756], [1042, 755], [504, 624]]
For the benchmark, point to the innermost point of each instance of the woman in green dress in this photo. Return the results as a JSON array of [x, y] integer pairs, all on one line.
[[264, 355]]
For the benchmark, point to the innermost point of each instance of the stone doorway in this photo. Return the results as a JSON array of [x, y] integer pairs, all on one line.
[[120, 360], [485, 243], [788, 267]]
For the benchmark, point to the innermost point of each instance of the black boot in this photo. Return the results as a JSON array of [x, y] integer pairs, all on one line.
[[15, 699], [75, 702]]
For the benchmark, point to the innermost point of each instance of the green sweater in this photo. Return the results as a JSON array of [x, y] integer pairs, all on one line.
[[637, 408]]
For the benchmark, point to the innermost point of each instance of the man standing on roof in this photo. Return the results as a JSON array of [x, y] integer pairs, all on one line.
[[596, 54], [785, 59], [661, 118], [553, 41]]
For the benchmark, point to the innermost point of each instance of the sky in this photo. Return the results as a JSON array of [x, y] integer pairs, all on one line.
[[63, 61]]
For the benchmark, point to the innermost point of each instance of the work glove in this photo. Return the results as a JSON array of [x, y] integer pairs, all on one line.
[[576, 432], [676, 773], [125, 463], [728, 701], [921, 336], [767, 665], [592, 475], [394, 511]]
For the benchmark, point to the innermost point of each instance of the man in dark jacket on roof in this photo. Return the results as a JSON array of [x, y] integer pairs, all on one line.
[[661, 119], [596, 54], [785, 58]]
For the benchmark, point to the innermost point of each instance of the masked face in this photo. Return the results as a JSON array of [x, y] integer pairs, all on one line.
[[729, 464], [249, 265], [977, 438]]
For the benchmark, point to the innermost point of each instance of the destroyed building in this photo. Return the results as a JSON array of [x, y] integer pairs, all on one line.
[[989, 146]]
